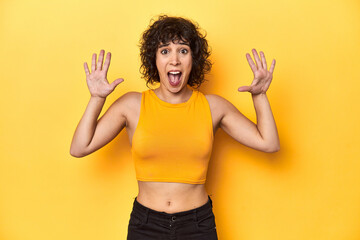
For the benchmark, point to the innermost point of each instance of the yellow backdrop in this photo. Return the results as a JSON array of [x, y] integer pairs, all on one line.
[[308, 190]]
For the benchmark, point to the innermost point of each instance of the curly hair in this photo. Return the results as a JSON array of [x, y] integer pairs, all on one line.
[[166, 29]]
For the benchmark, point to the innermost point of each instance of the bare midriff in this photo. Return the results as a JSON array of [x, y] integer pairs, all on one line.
[[171, 197]]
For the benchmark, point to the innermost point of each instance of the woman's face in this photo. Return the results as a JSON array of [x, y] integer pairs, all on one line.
[[174, 62]]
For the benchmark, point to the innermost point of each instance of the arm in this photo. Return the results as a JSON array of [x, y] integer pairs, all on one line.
[[266, 123], [262, 136], [90, 133]]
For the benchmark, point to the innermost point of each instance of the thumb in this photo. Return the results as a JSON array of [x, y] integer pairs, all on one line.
[[244, 89], [116, 82]]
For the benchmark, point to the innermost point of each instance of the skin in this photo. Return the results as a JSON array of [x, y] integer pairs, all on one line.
[[92, 134], [172, 56]]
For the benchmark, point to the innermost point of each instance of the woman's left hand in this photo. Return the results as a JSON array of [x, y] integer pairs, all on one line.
[[262, 77]]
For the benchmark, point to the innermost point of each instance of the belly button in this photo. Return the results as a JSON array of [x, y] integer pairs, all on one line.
[[169, 203]]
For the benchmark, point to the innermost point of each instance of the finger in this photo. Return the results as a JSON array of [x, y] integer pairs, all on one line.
[[116, 82], [267, 85], [93, 61], [244, 89], [107, 61], [101, 58], [251, 62], [263, 60], [257, 59], [86, 69], [272, 66]]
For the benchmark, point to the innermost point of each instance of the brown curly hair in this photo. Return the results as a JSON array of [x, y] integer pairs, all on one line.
[[166, 29]]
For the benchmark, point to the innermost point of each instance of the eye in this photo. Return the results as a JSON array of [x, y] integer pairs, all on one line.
[[184, 51], [164, 51]]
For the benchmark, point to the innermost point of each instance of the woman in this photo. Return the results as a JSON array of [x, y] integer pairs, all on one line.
[[171, 128]]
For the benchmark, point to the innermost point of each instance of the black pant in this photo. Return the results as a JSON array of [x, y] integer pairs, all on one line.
[[195, 224]]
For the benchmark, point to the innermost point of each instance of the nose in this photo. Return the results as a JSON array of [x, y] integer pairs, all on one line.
[[175, 59]]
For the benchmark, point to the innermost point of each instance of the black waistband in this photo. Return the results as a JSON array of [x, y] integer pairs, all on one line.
[[180, 216]]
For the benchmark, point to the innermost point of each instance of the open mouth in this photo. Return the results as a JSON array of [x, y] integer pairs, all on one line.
[[174, 77]]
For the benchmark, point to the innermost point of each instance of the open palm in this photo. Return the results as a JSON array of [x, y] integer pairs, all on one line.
[[97, 80], [262, 76]]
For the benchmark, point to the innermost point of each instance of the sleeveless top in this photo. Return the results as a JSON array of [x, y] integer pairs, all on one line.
[[173, 142]]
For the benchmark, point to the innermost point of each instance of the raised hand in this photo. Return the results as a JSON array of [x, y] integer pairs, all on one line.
[[262, 77], [97, 80]]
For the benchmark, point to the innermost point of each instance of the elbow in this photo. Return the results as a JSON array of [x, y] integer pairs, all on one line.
[[76, 153], [273, 148]]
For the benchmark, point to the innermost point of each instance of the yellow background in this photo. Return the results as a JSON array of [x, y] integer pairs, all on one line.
[[308, 190]]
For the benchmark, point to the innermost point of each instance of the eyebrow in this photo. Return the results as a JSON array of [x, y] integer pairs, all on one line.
[[167, 44]]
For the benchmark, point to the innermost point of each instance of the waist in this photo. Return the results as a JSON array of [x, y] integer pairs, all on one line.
[[171, 197], [164, 217]]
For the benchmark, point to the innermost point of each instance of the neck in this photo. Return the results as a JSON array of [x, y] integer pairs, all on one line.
[[173, 97]]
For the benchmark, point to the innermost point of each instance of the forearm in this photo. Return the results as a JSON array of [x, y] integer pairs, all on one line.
[[266, 123], [85, 130]]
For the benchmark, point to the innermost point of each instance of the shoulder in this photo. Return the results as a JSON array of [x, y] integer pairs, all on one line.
[[130, 98], [217, 101], [128, 102], [213, 97], [219, 106]]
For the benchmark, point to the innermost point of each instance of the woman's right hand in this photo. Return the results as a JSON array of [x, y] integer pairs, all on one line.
[[97, 80]]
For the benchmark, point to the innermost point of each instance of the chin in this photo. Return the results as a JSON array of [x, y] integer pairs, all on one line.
[[174, 89]]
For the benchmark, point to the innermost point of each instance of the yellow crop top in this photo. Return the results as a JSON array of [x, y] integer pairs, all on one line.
[[173, 142]]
